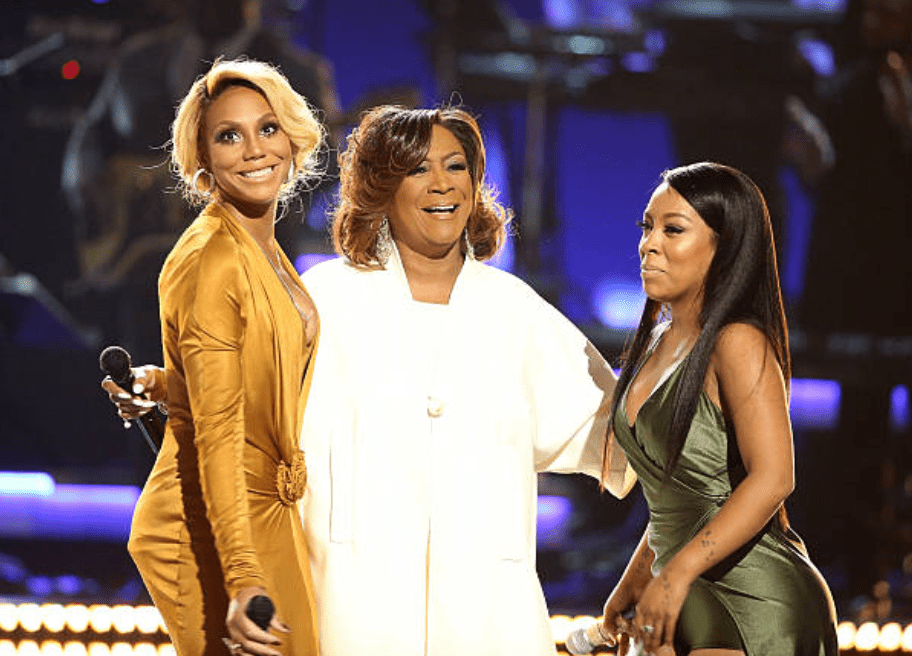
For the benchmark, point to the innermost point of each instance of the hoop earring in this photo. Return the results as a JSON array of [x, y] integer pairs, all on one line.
[[384, 247], [469, 248], [195, 180]]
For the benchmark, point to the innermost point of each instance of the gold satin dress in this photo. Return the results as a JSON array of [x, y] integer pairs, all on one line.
[[219, 510]]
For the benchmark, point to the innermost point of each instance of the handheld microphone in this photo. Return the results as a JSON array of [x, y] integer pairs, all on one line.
[[260, 610], [585, 639], [115, 362]]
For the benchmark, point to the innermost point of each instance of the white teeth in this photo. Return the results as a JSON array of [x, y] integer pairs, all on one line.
[[259, 173], [441, 208]]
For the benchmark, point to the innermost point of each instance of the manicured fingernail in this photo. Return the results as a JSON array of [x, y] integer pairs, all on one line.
[[137, 388], [127, 423], [123, 395]]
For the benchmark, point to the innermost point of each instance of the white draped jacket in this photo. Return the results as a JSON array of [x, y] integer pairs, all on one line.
[[422, 452]]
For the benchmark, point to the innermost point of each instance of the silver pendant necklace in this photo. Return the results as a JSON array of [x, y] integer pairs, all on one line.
[[305, 316]]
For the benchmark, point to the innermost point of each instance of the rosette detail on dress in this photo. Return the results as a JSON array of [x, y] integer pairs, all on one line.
[[291, 480]]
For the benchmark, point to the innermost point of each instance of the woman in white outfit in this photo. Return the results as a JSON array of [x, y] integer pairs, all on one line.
[[441, 387]]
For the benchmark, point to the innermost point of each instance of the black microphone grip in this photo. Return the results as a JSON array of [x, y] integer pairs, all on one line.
[[260, 610], [116, 363]]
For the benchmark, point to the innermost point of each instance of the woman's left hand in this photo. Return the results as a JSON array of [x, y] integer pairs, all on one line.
[[658, 608], [245, 637]]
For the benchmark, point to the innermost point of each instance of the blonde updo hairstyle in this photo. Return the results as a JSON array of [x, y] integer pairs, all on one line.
[[295, 117]]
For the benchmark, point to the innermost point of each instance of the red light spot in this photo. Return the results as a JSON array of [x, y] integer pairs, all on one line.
[[70, 70]]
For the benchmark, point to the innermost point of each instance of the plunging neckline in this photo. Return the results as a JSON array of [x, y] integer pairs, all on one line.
[[659, 384]]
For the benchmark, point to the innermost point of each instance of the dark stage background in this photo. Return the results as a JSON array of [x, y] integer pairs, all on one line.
[[583, 103]]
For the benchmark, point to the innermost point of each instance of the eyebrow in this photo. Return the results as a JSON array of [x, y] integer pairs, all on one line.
[[228, 123], [669, 214], [454, 153]]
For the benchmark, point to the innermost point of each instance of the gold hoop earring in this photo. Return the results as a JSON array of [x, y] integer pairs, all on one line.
[[195, 180]]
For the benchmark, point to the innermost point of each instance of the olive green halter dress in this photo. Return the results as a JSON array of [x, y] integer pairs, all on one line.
[[768, 593]]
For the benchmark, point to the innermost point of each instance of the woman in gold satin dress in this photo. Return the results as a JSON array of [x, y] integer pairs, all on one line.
[[701, 412], [217, 522]]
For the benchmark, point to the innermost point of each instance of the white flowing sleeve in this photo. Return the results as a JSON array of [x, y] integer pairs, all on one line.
[[570, 386]]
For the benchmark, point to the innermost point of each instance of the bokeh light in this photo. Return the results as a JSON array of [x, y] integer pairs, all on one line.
[[70, 70]]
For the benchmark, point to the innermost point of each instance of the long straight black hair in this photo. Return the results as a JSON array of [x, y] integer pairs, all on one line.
[[742, 285]]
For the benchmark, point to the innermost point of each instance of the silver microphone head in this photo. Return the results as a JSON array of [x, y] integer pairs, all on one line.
[[584, 639], [578, 643]]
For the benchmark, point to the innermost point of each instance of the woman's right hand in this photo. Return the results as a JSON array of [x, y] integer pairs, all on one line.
[[615, 623], [148, 383]]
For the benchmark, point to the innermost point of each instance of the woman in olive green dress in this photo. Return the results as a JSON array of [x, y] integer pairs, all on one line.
[[701, 413]]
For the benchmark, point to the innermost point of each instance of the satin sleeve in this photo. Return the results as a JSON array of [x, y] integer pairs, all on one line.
[[210, 343]]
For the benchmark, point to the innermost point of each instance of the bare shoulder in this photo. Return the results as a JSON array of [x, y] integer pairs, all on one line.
[[743, 361], [740, 344]]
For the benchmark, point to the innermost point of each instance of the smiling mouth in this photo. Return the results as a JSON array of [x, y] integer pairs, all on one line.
[[259, 173], [440, 209]]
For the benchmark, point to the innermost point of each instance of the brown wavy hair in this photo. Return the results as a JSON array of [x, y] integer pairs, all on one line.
[[389, 142]]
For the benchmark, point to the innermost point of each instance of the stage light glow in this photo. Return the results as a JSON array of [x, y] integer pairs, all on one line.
[[618, 304], [554, 514], [100, 618], [815, 404], [51, 648], [638, 62], [32, 484], [30, 617], [148, 619], [890, 637], [561, 14], [28, 648], [166, 650], [819, 54], [900, 416], [906, 641], [7, 648], [9, 617], [74, 648], [70, 70], [866, 637], [144, 649], [845, 634], [77, 617], [306, 260], [822, 5], [123, 618], [53, 617], [68, 584], [560, 627], [72, 512], [99, 649], [121, 649]]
